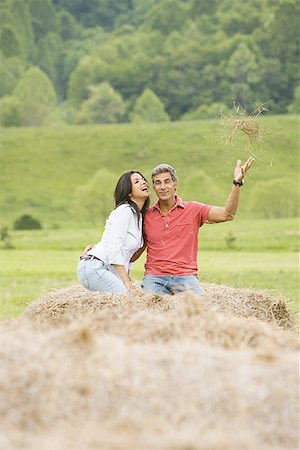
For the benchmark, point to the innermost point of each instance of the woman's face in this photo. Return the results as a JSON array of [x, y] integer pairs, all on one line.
[[139, 187]]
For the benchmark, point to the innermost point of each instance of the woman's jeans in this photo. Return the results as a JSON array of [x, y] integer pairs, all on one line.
[[171, 284], [95, 276]]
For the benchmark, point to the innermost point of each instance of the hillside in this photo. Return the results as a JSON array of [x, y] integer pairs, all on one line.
[[41, 168]]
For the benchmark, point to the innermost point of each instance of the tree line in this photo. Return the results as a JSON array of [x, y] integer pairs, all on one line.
[[106, 61]]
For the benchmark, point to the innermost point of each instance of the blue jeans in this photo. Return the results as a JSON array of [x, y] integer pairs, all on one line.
[[95, 276], [171, 284]]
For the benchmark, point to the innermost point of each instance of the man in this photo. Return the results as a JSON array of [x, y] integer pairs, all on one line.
[[171, 229]]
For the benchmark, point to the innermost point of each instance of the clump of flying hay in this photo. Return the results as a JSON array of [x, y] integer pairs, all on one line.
[[83, 370], [242, 122]]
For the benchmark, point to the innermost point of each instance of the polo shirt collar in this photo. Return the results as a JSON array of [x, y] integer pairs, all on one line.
[[179, 202]]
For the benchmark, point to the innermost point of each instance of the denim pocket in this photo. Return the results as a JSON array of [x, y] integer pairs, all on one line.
[[99, 267]]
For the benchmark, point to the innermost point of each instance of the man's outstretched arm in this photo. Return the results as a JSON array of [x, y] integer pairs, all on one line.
[[223, 214]]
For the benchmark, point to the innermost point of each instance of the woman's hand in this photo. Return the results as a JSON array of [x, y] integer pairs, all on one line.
[[128, 285], [123, 275], [88, 247]]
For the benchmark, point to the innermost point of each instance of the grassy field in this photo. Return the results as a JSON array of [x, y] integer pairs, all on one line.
[[264, 256], [41, 168]]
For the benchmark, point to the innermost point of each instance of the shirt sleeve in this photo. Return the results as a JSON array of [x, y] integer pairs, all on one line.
[[120, 221], [202, 212]]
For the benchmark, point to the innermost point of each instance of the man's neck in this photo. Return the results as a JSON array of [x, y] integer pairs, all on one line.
[[166, 205]]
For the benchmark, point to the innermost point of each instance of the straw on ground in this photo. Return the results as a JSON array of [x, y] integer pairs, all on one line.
[[83, 370]]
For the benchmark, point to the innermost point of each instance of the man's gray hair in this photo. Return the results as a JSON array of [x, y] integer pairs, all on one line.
[[162, 168]]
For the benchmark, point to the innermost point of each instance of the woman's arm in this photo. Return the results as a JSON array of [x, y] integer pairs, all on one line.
[[119, 227], [123, 275]]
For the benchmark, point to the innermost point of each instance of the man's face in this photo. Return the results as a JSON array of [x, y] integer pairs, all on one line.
[[164, 186]]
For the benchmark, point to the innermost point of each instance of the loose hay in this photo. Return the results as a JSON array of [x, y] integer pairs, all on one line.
[[83, 370], [217, 298], [241, 122]]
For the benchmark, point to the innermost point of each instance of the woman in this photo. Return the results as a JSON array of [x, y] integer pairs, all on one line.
[[105, 267]]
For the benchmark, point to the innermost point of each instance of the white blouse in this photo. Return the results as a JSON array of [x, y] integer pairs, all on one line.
[[121, 238]]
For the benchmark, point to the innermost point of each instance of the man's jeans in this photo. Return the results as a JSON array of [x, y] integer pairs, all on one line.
[[95, 276], [171, 284]]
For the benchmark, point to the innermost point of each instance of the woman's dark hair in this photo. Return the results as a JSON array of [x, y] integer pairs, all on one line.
[[123, 191]]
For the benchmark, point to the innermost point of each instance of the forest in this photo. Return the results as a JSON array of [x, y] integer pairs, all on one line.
[[111, 61]]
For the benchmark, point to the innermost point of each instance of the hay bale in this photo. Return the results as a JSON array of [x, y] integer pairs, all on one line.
[[249, 303], [186, 322], [217, 298], [67, 383], [82, 370]]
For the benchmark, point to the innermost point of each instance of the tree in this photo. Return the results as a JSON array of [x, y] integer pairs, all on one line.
[[9, 41], [68, 58], [67, 25], [244, 73], [44, 19], [89, 71], [104, 105], [10, 111], [149, 108], [36, 95], [242, 21], [294, 107], [166, 16], [22, 21], [96, 12], [281, 41], [49, 50], [205, 112], [275, 83], [7, 78], [200, 7], [95, 199], [189, 52]]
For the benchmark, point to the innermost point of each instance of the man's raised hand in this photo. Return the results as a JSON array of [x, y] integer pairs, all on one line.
[[241, 170]]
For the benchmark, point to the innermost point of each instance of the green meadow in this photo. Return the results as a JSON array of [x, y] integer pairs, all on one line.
[[263, 256], [42, 168]]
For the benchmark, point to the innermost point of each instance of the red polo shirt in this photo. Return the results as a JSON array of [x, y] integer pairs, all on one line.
[[172, 241]]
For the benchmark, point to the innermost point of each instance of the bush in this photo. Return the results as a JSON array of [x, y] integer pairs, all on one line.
[[205, 112], [149, 108], [5, 238], [104, 105], [27, 222], [10, 111], [294, 107], [275, 198]]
